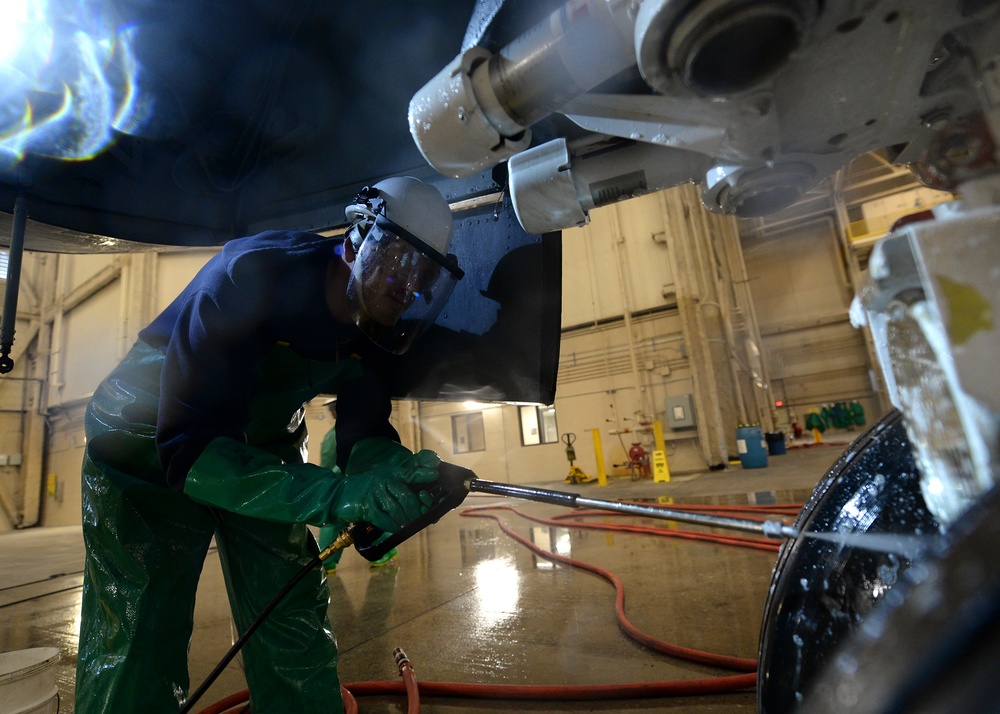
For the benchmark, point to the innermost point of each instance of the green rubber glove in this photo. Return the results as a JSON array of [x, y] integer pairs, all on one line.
[[378, 453], [380, 459], [243, 479]]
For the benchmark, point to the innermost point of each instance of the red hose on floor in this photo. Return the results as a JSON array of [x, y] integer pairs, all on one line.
[[224, 705], [565, 692], [409, 681], [545, 692], [350, 703], [237, 703], [688, 687]]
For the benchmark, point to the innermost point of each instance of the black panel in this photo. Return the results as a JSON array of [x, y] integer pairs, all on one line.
[[934, 647], [252, 115], [498, 337]]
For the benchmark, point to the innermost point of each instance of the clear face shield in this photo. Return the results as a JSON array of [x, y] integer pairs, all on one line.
[[398, 285]]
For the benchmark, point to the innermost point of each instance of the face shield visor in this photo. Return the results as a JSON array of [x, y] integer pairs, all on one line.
[[398, 285]]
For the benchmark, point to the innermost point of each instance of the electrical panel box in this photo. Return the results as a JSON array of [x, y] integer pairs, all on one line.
[[680, 411]]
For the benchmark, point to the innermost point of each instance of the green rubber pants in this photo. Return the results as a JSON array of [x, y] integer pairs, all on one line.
[[146, 545]]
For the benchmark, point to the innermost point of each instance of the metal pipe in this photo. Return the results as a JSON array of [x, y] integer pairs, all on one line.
[[13, 284], [568, 53], [771, 529], [478, 110], [624, 286]]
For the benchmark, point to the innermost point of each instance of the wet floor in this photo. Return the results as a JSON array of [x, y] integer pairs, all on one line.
[[470, 604]]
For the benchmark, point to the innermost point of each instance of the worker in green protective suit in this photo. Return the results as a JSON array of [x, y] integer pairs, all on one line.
[[200, 433], [328, 533]]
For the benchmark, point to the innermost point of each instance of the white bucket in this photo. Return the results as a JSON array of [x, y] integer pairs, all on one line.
[[28, 681]]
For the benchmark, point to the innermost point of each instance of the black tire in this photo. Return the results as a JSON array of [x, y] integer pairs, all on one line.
[[934, 646], [821, 591]]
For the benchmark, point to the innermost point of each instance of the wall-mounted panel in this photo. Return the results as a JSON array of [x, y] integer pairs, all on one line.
[[679, 411]]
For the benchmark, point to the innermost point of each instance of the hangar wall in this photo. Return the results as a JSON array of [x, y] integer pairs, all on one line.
[[803, 294]]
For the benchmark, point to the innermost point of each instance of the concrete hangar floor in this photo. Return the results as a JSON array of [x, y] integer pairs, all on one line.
[[470, 604]]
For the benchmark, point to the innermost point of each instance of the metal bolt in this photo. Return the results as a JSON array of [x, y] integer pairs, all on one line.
[[937, 119]]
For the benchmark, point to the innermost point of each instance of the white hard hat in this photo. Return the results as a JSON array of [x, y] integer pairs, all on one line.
[[411, 204]]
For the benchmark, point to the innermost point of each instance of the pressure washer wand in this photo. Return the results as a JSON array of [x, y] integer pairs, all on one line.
[[770, 529]]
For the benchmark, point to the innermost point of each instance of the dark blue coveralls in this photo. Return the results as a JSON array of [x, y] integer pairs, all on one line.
[[210, 403]]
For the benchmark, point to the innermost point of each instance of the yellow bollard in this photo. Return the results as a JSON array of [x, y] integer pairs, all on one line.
[[602, 475], [660, 444]]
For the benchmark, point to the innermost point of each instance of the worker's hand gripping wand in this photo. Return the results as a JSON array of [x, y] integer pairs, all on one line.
[[448, 492]]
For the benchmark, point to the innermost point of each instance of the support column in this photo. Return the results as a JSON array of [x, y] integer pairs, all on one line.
[[841, 221], [760, 397], [704, 279], [717, 321]]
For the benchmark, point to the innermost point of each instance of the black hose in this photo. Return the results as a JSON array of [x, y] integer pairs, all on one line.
[[234, 650]]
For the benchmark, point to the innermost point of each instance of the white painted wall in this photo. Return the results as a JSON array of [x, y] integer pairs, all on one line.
[[89, 344], [89, 339], [594, 264], [175, 271], [802, 296], [63, 457]]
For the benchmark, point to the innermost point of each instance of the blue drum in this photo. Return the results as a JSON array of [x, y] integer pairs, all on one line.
[[751, 445]]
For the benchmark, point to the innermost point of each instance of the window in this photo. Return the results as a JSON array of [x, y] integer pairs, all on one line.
[[467, 433], [538, 425]]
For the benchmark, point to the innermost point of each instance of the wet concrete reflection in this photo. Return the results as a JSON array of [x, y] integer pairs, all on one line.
[[554, 540], [498, 592]]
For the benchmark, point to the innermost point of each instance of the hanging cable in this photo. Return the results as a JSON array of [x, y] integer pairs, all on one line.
[[340, 542]]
